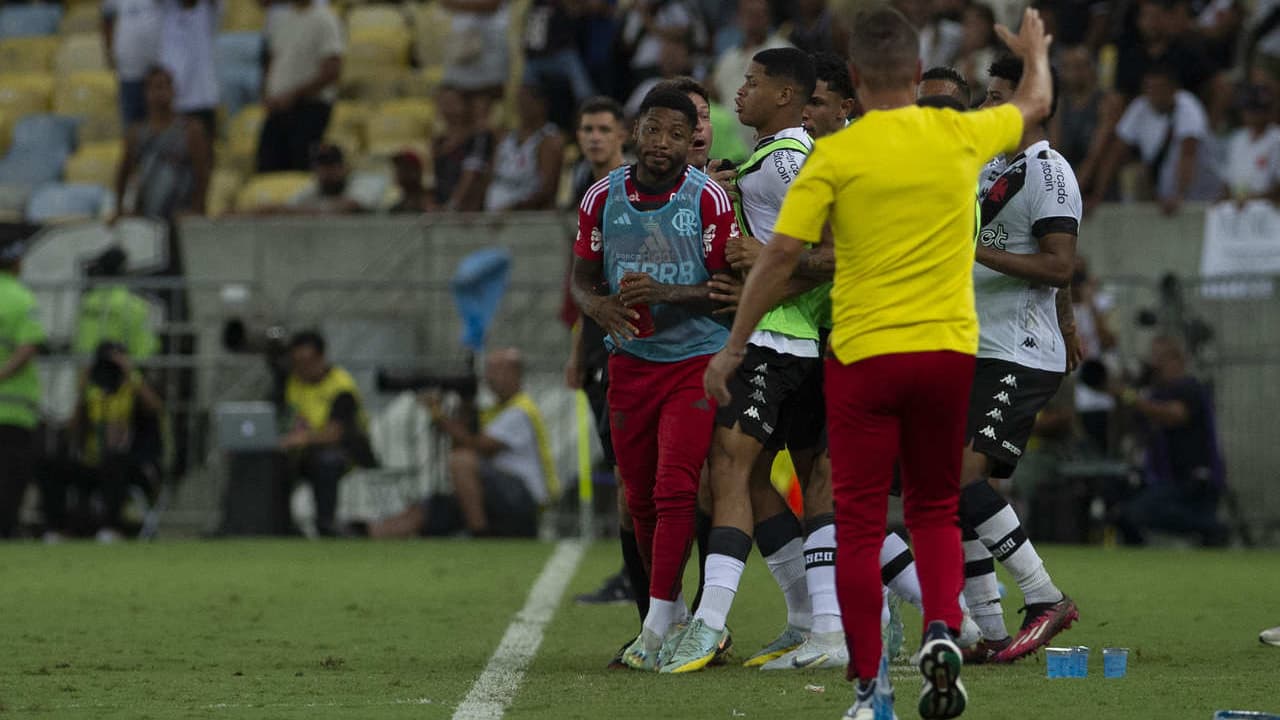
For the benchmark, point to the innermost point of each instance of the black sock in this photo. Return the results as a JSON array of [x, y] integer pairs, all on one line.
[[635, 571], [702, 531], [775, 532]]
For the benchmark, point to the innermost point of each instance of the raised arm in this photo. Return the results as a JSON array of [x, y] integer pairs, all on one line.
[[1035, 91]]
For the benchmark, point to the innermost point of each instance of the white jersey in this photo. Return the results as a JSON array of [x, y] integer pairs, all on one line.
[[1034, 195], [762, 187]]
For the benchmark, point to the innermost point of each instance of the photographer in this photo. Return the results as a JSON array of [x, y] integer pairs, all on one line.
[[501, 476], [328, 425], [116, 433], [20, 339], [1183, 470]]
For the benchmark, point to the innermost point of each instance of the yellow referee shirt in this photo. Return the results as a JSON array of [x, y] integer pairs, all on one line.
[[897, 187]]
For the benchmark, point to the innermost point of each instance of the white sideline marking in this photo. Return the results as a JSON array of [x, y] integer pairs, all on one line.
[[492, 692]]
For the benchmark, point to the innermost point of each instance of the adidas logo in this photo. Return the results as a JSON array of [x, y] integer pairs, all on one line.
[[1001, 397], [757, 396], [1030, 343], [995, 414], [758, 381], [622, 220], [1010, 380], [752, 413], [762, 368], [988, 432]]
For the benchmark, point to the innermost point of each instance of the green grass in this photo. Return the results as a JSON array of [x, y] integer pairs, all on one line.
[[358, 630]]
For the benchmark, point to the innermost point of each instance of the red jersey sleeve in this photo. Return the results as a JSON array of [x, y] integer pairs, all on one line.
[[589, 244], [719, 223]]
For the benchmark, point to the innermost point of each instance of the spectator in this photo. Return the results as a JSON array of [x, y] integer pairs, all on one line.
[[601, 134], [675, 62], [116, 431], [501, 476], [945, 82], [979, 46], [596, 38], [187, 52], [20, 338], [414, 195], [526, 165], [329, 432], [1075, 22], [645, 26], [333, 190], [1160, 43], [1218, 24], [304, 49], [131, 31], [476, 59], [1169, 129], [1252, 171], [1097, 343], [941, 33], [110, 312], [1086, 116], [1183, 472], [550, 47], [813, 27], [462, 154], [166, 165], [731, 66], [1262, 46]]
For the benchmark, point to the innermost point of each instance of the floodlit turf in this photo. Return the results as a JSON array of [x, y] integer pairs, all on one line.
[[358, 630]]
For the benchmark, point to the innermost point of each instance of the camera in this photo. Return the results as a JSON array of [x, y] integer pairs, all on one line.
[[466, 386], [106, 373]]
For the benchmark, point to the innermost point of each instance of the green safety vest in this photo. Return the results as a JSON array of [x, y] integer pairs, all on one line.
[[796, 317], [20, 394], [113, 313]]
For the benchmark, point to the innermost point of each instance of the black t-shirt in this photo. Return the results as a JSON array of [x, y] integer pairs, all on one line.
[[1186, 56], [548, 28], [1190, 447], [473, 154]]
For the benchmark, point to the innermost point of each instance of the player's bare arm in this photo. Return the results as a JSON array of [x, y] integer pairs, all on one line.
[[607, 310], [639, 288], [1034, 95], [1053, 265], [1067, 326]]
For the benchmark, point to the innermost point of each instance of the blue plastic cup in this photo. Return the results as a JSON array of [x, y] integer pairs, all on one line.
[[1243, 715], [1115, 662], [1080, 662], [1057, 662]]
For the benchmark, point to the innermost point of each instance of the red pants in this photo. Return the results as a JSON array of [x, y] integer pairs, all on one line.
[[662, 422], [909, 406]]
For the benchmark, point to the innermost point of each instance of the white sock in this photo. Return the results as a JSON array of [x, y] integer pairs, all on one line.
[[905, 582], [681, 616], [1002, 534], [659, 620], [787, 567], [982, 592], [885, 615], [820, 576], [723, 575]]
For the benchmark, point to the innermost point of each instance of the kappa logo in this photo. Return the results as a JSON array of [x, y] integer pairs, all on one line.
[[757, 396], [685, 222], [759, 382], [1001, 397], [1010, 380], [762, 368], [988, 432], [622, 220], [752, 413], [767, 428], [1030, 343], [995, 414]]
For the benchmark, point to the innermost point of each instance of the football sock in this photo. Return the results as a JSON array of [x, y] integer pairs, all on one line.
[[998, 527], [634, 566], [728, 548], [898, 570], [780, 539], [702, 531], [820, 573], [981, 589], [660, 618]]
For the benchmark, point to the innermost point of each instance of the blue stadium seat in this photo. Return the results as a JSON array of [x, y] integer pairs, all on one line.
[[239, 48], [73, 201], [240, 86], [31, 167], [27, 20], [52, 133]]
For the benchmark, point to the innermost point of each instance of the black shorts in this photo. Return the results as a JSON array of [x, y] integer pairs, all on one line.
[[597, 388], [1003, 405], [508, 506], [763, 389], [804, 417]]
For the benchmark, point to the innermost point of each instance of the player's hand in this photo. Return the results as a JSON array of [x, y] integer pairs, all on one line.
[[727, 289], [1031, 40], [637, 288], [741, 252], [614, 317], [716, 379], [1075, 350], [296, 439]]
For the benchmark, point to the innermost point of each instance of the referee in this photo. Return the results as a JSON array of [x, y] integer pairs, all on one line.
[[905, 327]]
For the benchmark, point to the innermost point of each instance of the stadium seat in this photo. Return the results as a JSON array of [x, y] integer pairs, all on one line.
[[271, 189], [25, 93], [85, 93], [27, 20], [59, 202], [94, 164], [224, 184], [49, 133], [372, 83], [378, 47], [243, 16], [400, 122], [349, 118], [13, 201], [243, 132], [83, 17], [376, 16], [6, 132], [80, 52], [101, 126], [28, 54], [431, 26], [423, 82]]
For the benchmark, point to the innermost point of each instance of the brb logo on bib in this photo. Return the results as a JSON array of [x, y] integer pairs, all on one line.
[[685, 222]]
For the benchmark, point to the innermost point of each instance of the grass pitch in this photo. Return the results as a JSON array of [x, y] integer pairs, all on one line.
[[292, 629]]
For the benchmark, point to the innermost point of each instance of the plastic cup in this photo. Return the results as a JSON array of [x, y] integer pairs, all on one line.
[[1080, 662], [1115, 662], [1057, 662], [1243, 715]]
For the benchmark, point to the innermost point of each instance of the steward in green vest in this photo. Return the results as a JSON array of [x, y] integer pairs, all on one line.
[[113, 313], [20, 338]]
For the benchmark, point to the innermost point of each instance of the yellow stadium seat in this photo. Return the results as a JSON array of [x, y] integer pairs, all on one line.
[[271, 189], [423, 82], [431, 26], [376, 16], [80, 52], [25, 93], [85, 93], [242, 16], [80, 17], [28, 54], [400, 121], [100, 126], [372, 84], [378, 47], [94, 163], [224, 185], [349, 118], [6, 133], [242, 135]]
